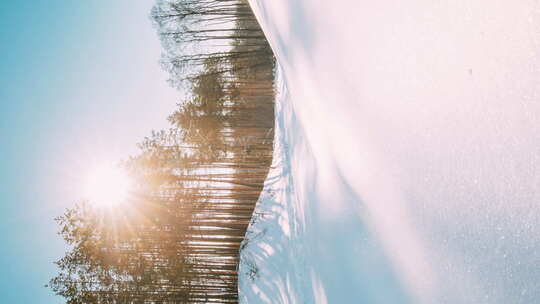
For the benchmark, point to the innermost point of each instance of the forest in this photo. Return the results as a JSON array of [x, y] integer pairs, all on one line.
[[177, 238]]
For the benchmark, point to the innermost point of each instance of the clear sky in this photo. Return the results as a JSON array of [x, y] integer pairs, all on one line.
[[80, 84]]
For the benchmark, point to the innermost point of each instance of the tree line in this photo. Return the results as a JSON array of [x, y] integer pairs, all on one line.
[[177, 238]]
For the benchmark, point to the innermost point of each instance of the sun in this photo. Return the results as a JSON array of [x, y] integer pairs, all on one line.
[[107, 185]]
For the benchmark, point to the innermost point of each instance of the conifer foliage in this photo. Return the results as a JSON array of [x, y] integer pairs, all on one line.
[[176, 240]]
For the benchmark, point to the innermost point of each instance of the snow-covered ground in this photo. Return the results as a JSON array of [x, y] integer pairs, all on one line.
[[407, 161]]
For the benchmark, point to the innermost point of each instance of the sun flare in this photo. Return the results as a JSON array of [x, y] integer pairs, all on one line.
[[107, 186]]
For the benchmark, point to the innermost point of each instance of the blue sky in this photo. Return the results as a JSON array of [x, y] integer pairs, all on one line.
[[80, 83]]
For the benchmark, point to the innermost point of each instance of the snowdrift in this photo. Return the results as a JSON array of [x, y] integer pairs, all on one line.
[[407, 155]]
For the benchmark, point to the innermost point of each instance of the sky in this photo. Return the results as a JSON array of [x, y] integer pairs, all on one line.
[[80, 85]]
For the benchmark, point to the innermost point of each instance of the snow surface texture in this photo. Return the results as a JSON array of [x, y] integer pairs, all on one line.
[[407, 162]]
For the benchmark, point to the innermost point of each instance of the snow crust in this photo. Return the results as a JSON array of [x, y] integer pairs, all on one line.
[[406, 167]]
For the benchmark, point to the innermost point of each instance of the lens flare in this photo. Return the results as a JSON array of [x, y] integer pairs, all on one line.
[[107, 186]]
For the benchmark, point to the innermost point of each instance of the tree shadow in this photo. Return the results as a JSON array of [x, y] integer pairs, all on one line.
[[294, 251]]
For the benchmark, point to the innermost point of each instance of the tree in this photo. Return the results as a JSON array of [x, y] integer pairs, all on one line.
[[177, 240]]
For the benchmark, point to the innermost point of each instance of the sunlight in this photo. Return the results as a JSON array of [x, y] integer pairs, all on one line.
[[107, 186]]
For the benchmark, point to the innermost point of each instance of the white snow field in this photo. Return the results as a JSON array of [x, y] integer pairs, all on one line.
[[407, 162]]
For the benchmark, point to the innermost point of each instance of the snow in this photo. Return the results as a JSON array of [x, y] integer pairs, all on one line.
[[406, 164]]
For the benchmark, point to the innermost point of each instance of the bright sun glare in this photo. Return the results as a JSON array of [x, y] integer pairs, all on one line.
[[107, 186]]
